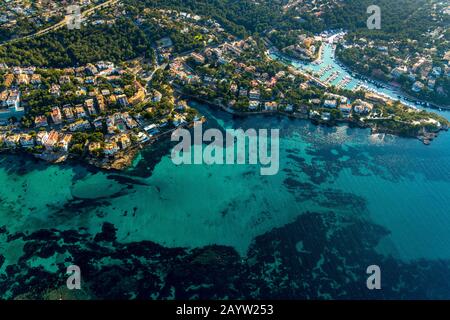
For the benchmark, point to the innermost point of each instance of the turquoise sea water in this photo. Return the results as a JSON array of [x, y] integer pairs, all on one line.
[[401, 184], [397, 183]]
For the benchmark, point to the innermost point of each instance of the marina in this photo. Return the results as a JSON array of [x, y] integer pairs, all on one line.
[[331, 72]]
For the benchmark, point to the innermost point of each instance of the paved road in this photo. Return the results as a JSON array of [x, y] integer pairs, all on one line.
[[63, 23], [150, 77]]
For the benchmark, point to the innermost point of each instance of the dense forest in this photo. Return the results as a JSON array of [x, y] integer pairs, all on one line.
[[239, 17], [400, 18], [62, 48]]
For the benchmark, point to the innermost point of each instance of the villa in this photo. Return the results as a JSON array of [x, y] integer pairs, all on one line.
[[51, 140], [40, 121], [254, 94], [26, 140], [346, 109], [417, 86], [41, 137], [12, 141], [36, 79], [111, 148], [68, 113], [56, 115], [90, 106], [80, 112], [23, 79], [157, 96], [80, 125], [10, 105], [331, 104], [271, 106], [122, 100], [362, 107], [64, 142], [253, 104]]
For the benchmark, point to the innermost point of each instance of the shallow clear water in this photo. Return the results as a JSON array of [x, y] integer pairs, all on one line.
[[399, 183]]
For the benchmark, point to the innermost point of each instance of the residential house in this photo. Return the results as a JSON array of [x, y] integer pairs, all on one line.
[[431, 83], [91, 69], [399, 71], [89, 80], [243, 93], [124, 141], [182, 105], [41, 137], [10, 99], [55, 90], [129, 121], [122, 100], [56, 115], [36, 79], [89, 104], [64, 142], [253, 105], [100, 102], [289, 108], [152, 129], [111, 148], [80, 125], [346, 109], [254, 94], [40, 121], [26, 140], [330, 104], [65, 79], [315, 102], [142, 137], [23, 79], [157, 96], [80, 112], [325, 116], [417, 86], [68, 113], [94, 147], [12, 141], [51, 140], [362, 107], [271, 106], [9, 78], [198, 58], [98, 123]]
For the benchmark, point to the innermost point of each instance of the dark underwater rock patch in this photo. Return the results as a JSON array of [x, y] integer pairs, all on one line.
[[317, 256], [108, 233]]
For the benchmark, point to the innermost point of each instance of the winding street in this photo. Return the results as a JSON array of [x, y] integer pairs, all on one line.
[[63, 23]]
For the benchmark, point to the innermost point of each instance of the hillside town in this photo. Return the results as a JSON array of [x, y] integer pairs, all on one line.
[[419, 66], [104, 111], [240, 79], [99, 112]]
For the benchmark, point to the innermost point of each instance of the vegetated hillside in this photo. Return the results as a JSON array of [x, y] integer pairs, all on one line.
[[64, 47]]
